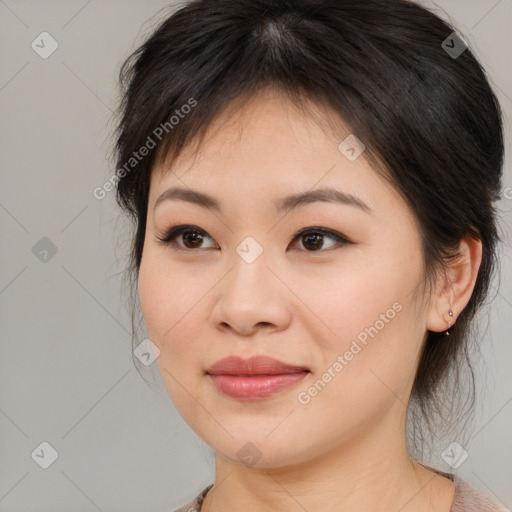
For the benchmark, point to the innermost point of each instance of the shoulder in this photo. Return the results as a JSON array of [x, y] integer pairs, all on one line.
[[468, 499], [195, 504]]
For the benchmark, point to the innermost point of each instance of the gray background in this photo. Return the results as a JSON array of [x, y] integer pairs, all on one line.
[[66, 370]]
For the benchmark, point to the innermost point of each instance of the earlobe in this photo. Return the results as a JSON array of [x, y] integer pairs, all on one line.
[[456, 286]]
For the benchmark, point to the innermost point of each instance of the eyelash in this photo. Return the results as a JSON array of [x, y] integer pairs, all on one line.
[[174, 232]]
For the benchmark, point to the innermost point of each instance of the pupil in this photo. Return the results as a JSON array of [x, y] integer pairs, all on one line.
[[198, 237], [318, 239]]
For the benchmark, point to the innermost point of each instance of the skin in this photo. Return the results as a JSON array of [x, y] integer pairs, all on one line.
[[344, 450]]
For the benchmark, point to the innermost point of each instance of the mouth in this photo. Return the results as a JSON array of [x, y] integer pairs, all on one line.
[[256, 365], [255, 378]]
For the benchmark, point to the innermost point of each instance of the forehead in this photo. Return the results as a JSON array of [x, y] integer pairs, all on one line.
[[268, 147]]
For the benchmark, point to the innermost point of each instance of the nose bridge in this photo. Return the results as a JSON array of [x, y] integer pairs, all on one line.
[[250, 295], [250, 272]]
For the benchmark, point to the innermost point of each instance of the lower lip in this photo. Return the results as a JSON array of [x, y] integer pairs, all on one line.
[[256, 387]]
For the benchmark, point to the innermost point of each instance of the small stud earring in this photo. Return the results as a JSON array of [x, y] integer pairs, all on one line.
[[447, 333]]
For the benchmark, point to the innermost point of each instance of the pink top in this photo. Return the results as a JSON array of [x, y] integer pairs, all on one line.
[[466, 499]]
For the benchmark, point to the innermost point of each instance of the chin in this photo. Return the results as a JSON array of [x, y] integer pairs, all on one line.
[[260, 453]]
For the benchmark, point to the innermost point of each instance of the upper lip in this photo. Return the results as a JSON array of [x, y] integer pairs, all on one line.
[[256, 365]]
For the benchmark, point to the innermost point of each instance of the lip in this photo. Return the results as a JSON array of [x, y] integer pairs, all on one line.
[[254, 378], [256, 365]]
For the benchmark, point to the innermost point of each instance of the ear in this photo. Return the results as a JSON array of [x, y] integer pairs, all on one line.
[[455, 285]]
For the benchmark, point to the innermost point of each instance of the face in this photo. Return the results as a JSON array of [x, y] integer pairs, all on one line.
[[338, 300]]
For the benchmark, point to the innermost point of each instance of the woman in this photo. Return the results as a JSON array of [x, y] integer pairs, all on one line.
[[313, 185]]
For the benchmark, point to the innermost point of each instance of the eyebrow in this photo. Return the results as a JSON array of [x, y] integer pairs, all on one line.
[[285, 204]]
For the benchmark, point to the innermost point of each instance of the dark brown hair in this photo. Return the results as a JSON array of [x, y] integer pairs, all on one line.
[[429, 120]]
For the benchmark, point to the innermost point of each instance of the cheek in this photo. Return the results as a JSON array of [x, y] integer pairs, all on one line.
[[353, 302], [170, 298], [374, 322], [168, 315], [152, 298], [161, 290], [161, 295]]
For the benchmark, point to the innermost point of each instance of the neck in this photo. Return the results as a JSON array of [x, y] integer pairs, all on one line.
[[373, 472]]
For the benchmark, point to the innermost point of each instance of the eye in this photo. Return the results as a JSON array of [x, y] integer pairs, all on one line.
[[192, 234], [192, 237], [313, 237]]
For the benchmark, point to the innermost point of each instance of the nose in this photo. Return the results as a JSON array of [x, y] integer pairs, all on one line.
[[251, 298]]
